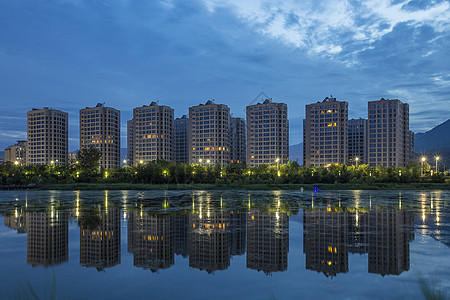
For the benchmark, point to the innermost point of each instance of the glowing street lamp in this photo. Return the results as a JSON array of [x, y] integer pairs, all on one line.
[[356, 159], [437, 159], [16, 162], [278, 165], [208, 161], [141, 162], [423, 159], [124, 161]]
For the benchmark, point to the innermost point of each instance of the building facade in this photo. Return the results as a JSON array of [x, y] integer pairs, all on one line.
[[153, 133], [267, 133], [390, 141], [47, 137], [357, 141], [238, 153], [100, 129], [130, 142], [325, 133], [209, 134], [16, 153], [181, 139]]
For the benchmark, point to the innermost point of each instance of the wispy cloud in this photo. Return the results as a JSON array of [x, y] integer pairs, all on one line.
[[331, 27]]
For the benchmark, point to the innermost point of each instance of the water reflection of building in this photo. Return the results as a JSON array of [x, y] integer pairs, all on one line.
[[209, 241], [181, 234], [150, 240], [389, 235], [238, 224], [47, 237], [325, 241], [16, 221], [100, 246], [358, 232], [267, 241]]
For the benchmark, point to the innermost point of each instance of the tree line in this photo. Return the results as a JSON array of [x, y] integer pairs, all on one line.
[[86, 169]]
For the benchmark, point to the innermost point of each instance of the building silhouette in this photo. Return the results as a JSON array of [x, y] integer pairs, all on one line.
[[357, 141], [180, 230], [209, 134], [238, 153], [100, 246], [325, 133], [100, 129], [16, 153], [47, 237], [267, 133], [267, 241], [181, 139], [47, 137]]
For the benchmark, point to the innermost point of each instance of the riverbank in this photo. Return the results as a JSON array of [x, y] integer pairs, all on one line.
[[347, 186]]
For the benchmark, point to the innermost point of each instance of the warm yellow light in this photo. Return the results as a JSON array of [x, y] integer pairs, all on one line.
[[423, 158], [438, 158], [356, 158], [124, 161], [208, 161], [329, 263], [141, 161], [16, 162], [278, 159]]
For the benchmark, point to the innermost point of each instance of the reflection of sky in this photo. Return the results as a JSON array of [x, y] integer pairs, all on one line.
[[428, 256]]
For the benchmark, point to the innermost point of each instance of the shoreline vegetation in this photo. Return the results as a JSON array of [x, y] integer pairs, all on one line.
[[287, 186], [86, 174]]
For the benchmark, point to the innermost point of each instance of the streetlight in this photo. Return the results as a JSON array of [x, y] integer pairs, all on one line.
[[141, 162], [208, 161], [16, 162], [423, 159], [356, 159], [124, 161], [278, 163], [437, 158], [200, 160]]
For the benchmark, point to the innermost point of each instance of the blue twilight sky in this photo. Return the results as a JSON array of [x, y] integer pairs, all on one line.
[[69, 54]]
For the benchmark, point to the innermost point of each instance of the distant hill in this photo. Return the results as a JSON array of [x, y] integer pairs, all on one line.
[[435, 142], [296, 153], [437, 138]]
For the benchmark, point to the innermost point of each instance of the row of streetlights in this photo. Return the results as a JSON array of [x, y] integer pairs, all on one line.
[[424, 159]]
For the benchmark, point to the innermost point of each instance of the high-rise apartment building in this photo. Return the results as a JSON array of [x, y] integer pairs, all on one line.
[[153, 133], [325, 133], [130, 142], [16, 153], [181, 139], [357, 141], [238, 153], [209, 134], [390, 141], [47, 137], [100, 128], [267, 133]]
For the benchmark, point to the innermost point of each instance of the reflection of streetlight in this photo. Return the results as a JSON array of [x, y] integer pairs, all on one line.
[[423, 159], [437, 158]]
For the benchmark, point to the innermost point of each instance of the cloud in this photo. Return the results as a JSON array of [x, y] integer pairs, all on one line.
[[332, 27]]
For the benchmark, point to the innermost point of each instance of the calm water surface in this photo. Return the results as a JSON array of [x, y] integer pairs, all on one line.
[[223, 245]]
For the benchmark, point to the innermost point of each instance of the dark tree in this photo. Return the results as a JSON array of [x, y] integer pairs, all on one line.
[[89, 158]]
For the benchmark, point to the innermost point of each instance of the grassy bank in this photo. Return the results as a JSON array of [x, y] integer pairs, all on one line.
[[347, 186]]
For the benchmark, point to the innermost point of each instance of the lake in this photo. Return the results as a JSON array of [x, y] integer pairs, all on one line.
[[224, 244]]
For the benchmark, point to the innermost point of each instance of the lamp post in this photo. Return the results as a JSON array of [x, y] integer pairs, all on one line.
[[356, 159], [278, 166], [437, 159], [423, 159]]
